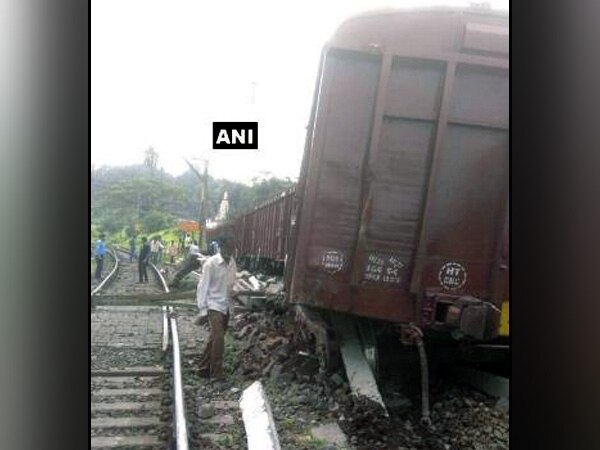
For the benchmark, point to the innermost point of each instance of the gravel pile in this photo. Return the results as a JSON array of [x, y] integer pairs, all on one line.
[[462, 419]]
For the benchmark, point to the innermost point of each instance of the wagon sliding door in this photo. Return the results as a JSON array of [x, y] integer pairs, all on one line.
[[465, 204], [331, 197]]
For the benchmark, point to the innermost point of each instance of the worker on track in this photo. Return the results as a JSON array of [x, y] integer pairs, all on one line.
[[214, 293], [172, 252], [99, 252], [193, 261], [143, 260]]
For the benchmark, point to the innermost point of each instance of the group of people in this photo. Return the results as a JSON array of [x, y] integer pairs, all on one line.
[[151, 252], [214, 292], [156, 250]]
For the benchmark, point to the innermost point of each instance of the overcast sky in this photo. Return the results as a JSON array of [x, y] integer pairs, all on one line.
[[163, 71]]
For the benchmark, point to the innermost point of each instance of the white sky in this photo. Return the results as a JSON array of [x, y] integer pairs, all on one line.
[[163, 71]]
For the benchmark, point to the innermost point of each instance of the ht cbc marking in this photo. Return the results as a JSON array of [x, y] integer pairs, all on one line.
[[452, 276], [235, 135]]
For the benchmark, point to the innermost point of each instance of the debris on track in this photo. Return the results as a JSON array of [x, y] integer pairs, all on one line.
[[313, 409]]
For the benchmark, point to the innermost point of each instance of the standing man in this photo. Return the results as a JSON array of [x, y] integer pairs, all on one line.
[[154, 250], [194, 249], [172, 252], [143, 261], [181, 243], [131, 248], [214, 293], [161, 246], [99, 252], [187, 241]]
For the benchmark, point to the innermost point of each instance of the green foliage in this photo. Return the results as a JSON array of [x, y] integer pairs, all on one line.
[[110, 224], [312, 443], [144, 198], [156, 220], [130, 231], [231, 357]]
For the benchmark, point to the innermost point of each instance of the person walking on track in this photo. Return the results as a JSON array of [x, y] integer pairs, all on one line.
[[214, 293], [172, 252], [143, 260], [154, 250], [99, 252]]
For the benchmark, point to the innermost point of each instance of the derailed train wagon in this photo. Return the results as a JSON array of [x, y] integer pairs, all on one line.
[[403, 193]]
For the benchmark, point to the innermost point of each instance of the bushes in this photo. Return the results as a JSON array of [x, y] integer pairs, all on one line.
[[155, 221]]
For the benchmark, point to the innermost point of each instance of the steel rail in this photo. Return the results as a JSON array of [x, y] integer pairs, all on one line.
[[160, 278], [180, 422], [97, 289], [165, 339], [155, 269]]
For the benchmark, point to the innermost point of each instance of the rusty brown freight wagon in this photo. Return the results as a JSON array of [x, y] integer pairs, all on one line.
[[403, 192], [262, 234]]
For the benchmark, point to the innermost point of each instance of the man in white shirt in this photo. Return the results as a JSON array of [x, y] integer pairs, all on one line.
[[194, 249], [155, 248], [214, 293]]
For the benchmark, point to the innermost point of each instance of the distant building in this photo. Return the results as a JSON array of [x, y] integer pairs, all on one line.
[[222, 214], [223, 209]]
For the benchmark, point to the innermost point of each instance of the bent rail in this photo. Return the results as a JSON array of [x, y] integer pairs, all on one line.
[[97, 289], [160, 278]]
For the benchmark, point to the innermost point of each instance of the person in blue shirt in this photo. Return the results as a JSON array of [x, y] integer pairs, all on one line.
[[213, 248], [99, 252]]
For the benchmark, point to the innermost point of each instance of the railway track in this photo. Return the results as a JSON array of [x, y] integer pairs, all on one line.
[[122, 280], [97, 286], [136, 383], [134, 396]]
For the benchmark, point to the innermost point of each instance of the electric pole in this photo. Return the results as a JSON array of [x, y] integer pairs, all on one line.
[[203, 193]]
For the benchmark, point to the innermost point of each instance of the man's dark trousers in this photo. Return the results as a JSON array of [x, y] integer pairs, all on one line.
[[142, 269], [211, 361], [99, 264]]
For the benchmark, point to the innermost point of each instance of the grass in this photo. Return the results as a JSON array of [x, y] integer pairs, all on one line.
[[231, 357], [313, 443], [233, 439]]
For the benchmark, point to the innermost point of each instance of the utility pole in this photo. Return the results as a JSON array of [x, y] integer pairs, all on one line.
[[203, 193]]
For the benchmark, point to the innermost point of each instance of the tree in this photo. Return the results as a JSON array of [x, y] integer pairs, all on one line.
[[151, 159], [156, 220], [129, 201], [124, 196]]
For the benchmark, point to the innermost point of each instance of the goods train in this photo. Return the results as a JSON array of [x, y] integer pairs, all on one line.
[[400, 215]]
